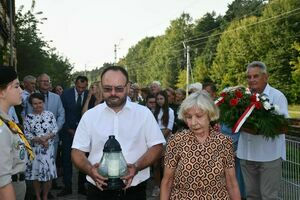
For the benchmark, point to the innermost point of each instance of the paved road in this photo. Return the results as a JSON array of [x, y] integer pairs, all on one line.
[[76, 196]]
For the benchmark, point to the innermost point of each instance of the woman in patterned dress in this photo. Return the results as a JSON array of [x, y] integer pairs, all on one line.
[[199, 162], [40, 128]]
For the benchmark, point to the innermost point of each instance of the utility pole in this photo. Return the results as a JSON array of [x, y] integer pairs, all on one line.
[[115, 50], [116, 47], [188, 66]]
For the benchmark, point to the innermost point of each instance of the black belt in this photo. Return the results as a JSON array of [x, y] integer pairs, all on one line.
[[18, 177]]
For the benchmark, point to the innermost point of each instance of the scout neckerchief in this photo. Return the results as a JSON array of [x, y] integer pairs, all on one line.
[[16, 130]]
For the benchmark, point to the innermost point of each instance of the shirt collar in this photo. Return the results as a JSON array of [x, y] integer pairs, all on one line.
[[267, 90], [44, 93], [76, 93], [127, 106], [4, 115]]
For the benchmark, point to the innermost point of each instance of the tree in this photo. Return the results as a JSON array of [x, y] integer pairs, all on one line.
[[295, 63], [239, 9], [34, 55]]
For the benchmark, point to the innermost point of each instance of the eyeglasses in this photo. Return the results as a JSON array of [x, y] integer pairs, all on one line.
[[118, 89], [44, 81]]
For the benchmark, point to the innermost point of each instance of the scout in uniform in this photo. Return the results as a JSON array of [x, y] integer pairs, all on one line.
[[14, 148]]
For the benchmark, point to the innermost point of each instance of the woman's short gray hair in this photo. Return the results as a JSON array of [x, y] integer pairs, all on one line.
[[201, 100]]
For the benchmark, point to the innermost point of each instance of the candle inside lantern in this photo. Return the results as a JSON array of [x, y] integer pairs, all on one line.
[[113, 167]]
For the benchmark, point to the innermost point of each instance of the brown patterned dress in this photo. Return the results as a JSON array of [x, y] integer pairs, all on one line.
[[199, 168]]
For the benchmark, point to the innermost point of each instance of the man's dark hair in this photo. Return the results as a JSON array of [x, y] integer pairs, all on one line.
[[36, 95], [115, 68], [211, 85], [81, 79]]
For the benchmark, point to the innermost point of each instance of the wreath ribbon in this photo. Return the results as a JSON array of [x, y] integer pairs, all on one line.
[[15, 128], [243, 118], [219, 101]]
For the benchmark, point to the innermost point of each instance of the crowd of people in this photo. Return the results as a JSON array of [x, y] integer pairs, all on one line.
[[169, 134]]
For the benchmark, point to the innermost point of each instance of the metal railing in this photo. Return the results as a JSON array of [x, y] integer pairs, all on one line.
[[290, 184]]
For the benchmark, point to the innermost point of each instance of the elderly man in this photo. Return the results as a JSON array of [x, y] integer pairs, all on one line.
[[155, 87], [29, 83], [261, 158], [134, 127]]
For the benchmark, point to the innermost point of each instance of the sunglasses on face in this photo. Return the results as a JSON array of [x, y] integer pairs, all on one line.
[[117, 89]]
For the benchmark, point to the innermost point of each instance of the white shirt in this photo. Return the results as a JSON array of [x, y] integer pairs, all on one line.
[[171, 119], [134, 127], [256, 147], [77, 95]]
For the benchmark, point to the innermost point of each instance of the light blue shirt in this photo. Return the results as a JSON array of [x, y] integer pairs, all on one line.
[[256, 147]]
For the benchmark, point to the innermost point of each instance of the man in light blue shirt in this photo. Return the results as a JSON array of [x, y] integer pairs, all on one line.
[[261, 158]]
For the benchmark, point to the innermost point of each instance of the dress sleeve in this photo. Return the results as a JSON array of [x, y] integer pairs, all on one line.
[[53, 123], [228, 155], [171, 155]]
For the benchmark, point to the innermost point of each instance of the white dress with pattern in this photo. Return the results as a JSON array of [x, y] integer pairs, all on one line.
[[42, 167]]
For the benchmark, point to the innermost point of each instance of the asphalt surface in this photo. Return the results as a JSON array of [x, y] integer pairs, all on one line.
[[76, 196]]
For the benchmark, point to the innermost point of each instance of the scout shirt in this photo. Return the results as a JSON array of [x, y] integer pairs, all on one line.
[[13, 154]]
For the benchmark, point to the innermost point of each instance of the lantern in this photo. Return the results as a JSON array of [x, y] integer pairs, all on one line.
[[112, 164]]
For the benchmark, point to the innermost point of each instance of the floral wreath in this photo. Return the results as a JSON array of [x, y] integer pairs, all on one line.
[[253, 113]]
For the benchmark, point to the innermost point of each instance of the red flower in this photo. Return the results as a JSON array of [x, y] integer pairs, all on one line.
[[234, 102], [253, 98], [258, 105], [238, 94], [223, 94]]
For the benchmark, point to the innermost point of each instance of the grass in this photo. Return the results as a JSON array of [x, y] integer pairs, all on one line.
[[294, 111]]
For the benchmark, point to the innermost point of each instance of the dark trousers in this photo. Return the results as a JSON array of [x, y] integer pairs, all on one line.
[[67, 141], [133, 193]]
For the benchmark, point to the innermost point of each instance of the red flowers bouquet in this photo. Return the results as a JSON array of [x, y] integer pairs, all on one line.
[[252, 112]]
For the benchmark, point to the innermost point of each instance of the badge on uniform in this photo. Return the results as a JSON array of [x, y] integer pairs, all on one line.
[[22, 153], [19, 146]]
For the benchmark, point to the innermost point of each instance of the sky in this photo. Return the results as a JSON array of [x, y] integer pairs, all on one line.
[[86, 31]]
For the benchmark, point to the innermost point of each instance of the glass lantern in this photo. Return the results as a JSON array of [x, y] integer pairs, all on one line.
[[112, 164]]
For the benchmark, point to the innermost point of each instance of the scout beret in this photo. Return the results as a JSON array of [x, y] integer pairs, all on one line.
[[7, 74]]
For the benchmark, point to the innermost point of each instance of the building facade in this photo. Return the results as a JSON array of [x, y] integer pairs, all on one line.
[[7, 33]]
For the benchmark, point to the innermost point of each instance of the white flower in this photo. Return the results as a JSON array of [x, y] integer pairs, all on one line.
[[267, 105], [247, 91], [263, 97], [257, 96], [276, 108]]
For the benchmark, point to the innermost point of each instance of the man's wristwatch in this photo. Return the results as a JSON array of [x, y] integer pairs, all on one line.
[[136, 168]]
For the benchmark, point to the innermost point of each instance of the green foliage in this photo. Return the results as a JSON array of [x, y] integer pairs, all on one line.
[[34, 55], [268, 38], [296, 74], [159, 58], [181, 79], [242, 8]]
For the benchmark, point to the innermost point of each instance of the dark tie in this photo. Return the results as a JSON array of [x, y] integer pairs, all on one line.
[[78, 102]]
